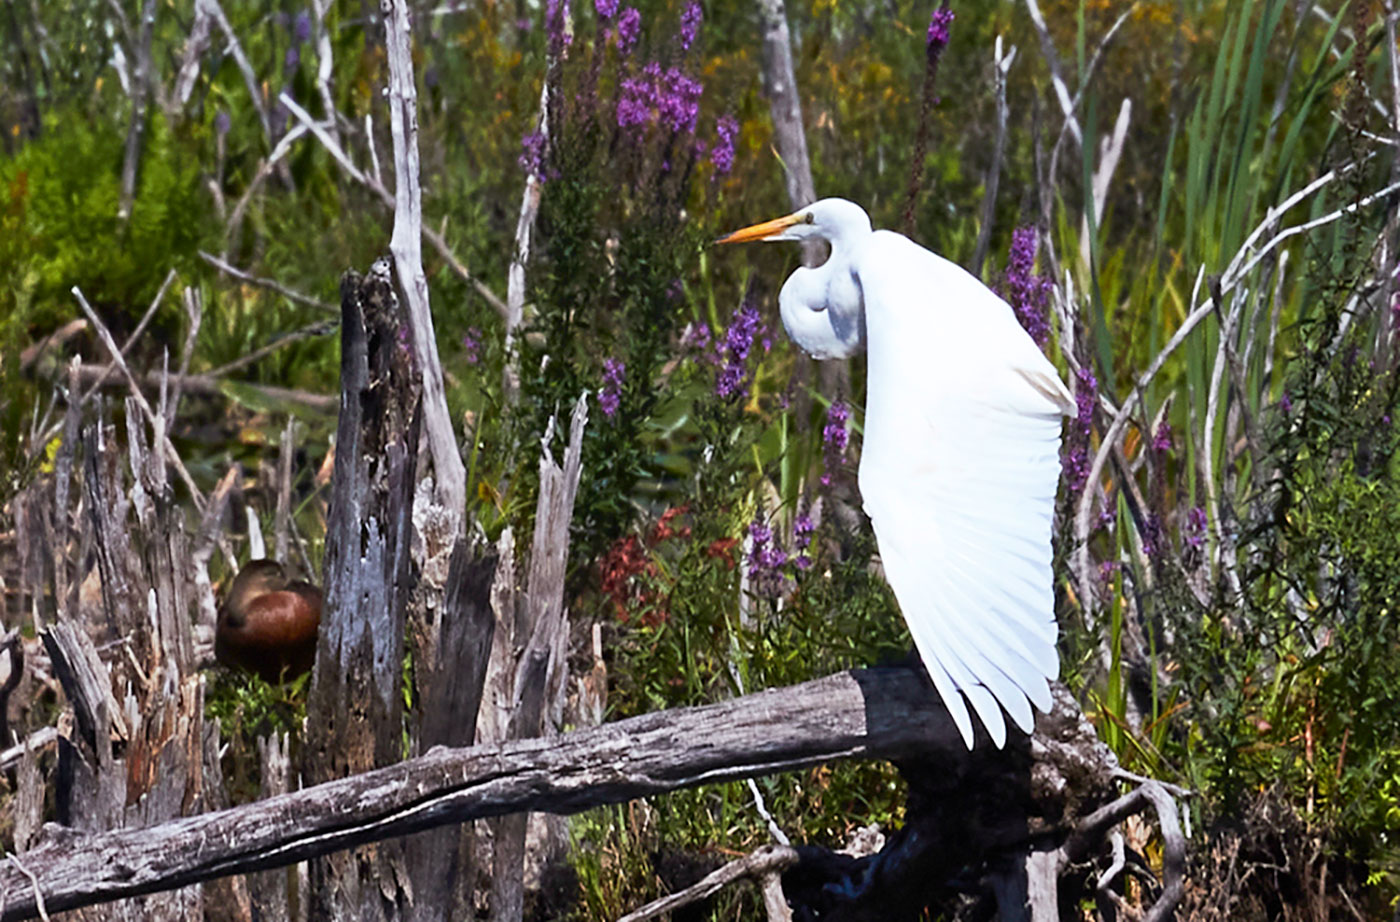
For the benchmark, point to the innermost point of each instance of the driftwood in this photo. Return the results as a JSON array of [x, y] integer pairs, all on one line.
[[1063, 771]]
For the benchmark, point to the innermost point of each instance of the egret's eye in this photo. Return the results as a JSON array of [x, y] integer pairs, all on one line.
[[808, 218]]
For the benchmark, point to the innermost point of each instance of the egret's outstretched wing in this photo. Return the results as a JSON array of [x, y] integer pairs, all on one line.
[[958, 474]]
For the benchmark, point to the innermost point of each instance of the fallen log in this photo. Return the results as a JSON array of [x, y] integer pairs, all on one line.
[[877, 713]]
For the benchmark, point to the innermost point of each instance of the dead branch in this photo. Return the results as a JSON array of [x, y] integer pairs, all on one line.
[[166, 446], [864, 714], [768, 862], [271, 284], [406, 244], [210, 385]]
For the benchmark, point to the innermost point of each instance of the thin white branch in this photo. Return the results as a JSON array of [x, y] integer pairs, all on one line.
[[407, 246], [520, 258]]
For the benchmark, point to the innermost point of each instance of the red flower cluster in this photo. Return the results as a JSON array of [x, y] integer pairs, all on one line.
[[630, 558]]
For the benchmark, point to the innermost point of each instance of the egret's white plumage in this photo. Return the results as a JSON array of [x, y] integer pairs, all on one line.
[[961, 455]]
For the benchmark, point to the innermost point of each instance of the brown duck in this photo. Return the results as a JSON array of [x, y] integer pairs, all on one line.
[[267, 623]]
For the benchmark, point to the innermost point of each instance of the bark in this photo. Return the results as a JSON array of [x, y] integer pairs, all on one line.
[[540, 674], [780, 83], [452, 649], [1061, 773], [355, 705]]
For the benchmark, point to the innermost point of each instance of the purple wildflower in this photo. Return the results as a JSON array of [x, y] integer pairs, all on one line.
[[222, 122], [471, 345], [1075, 463], [291, 59], [524, 24], [766, 561], [556, 16], [1107, 570], [690, 24], [834, 438], [1285, 403], [938, 29], [610, 397], [678, 101], [723, 154], [629, 29], [532, 148], [1152, 535], [638, 97], [1026, 291], [1162, 438], [301, 27], [1108, 517], [802, 529], [746, 325], [1196, 526], [606, 9], [697, 336]]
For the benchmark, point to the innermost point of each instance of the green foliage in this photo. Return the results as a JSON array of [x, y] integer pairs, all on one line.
[[250, 708]]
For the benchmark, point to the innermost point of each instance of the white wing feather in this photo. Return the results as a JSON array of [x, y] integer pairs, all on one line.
[[958, 474]]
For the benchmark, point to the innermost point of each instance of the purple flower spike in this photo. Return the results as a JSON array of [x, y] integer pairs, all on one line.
[[222, 122], [629, 29], [766, 562], [1162, 438], [1026, 291], [606, 9], [1075, 463], [746, 326], [471, 345], [610, 396], [938, 29], [802, 529], [1196, 526], [723, 154], [834, 439], [1285, 403], [556, 15], [691, 17], [301, 27], [678, 101]]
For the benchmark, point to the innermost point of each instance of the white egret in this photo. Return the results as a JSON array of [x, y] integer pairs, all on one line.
[[961, 454]]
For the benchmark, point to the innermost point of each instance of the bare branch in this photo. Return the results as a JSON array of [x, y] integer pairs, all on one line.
[[290, 294], [768, 860], [407, 246], [167, 447]]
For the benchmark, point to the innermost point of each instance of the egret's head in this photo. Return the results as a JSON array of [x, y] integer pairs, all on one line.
[[829, 219]]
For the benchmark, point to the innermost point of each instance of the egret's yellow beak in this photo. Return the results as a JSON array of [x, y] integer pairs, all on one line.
[[764, 231]]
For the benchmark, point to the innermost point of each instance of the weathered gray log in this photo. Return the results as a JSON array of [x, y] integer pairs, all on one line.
[[865, 714], [355, 705]]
